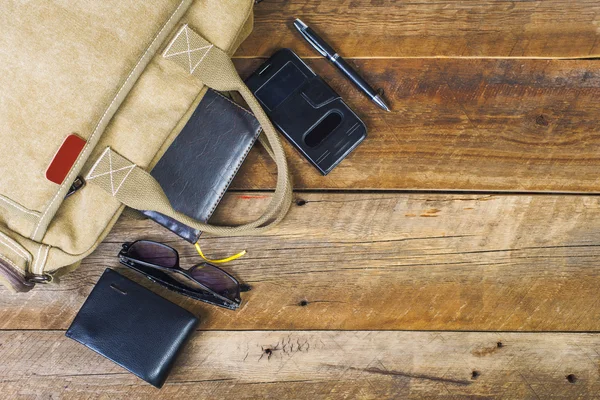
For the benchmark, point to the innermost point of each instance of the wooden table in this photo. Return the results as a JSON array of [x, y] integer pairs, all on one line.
[[456, 252]]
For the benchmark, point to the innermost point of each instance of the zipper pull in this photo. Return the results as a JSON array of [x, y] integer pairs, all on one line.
[[77, 184]]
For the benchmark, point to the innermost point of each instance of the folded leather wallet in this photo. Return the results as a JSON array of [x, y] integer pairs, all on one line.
[[133, 327], [198, 167]]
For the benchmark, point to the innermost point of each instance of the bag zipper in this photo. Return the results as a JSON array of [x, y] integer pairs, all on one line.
[[77, 184]]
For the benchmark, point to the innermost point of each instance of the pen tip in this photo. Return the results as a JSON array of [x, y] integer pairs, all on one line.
[[379, 101]]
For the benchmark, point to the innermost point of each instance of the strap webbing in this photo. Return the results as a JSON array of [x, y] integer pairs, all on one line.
[[137, 189]]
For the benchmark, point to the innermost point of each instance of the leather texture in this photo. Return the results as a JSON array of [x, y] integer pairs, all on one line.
[[199, 165], [133, 327], [298, 101]]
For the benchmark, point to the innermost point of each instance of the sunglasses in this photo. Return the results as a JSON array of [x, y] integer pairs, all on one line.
[[160, 263]]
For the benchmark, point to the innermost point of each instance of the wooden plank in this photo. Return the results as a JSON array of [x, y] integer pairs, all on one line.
[[499, 125], [308, 365], [378, 261], [387, 28]]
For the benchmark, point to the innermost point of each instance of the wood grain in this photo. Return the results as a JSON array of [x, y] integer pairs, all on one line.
[[389, 28], [309, 365], [378, 261], [369, 260], [461, 124]]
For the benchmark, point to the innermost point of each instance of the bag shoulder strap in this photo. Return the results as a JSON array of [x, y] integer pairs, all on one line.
[[137, 189]]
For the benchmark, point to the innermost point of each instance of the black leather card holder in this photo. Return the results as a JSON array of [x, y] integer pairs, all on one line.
[[133, 327], [198, 167]]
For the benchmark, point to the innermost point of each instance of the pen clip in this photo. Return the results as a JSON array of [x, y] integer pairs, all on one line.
[[314, 44]]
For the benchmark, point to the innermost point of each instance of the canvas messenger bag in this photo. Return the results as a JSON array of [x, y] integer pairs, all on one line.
[[125, 76]]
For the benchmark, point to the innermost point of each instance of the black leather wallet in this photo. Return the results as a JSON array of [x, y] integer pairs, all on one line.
[[198, 167], [133, 327]]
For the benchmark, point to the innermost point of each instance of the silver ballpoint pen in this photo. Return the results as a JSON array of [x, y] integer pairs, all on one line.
[[327, 51]]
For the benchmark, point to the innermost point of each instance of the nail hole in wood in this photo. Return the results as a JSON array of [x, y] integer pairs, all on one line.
[[268, 352], [475, 374], [541, 120], [303, 303], [499, 344], [571, 378], [300, 202]]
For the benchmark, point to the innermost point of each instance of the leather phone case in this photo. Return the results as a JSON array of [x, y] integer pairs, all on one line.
[[306, 110], [133, 327], [198, 167]]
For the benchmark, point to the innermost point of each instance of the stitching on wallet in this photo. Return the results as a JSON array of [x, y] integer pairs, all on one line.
[[74, 168], [235, 104], [237, 168]]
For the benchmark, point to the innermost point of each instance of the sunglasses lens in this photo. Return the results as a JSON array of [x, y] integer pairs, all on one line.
[[153, 253], [216, 280]]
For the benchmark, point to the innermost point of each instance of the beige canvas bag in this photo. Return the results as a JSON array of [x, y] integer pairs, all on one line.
[[125, 75]]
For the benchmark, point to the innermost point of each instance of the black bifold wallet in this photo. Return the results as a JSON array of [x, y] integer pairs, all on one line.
[[199, 165], [133, 327]]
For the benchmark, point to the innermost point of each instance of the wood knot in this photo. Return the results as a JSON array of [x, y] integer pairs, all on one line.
[[542, 120]]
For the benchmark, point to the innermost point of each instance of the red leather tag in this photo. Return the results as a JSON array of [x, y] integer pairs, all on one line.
[[64, 159]]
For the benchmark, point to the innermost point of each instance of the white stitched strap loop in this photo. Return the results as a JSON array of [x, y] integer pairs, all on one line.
[[113, 167], [182, 47]]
